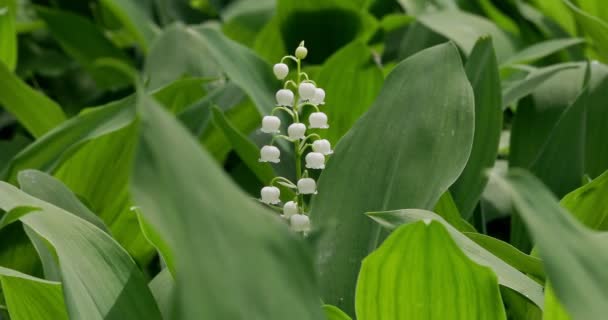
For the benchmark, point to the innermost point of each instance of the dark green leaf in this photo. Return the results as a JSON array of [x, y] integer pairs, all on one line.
[[8, 33], [418, 133], [541, 50], [482, 72]]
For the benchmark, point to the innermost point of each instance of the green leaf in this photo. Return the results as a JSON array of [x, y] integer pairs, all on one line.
[[465, 28], [575, 257], [8, 34], [482, 72], [247, 151], [86, 46], [577, 140], [508, 275], [418, 133], [541, 50], [35, 111], [558, 11], [185, 49], [447, 209], [29, 298], [51, 150], [205, 219], [352, 81], [137, 19], [333, 313], [243, 67], [416, 7], [519, 89], [51, 190], [508, 253], [162, 289], [595, 27], [116, 289], [420, 273], [588, 203]]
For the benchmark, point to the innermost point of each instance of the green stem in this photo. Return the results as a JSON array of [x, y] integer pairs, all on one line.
[[298, 153]]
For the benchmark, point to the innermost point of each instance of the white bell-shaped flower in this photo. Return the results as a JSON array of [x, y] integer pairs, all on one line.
[[284, 97], [296, 131], [307, 186], [280, 70], [306, 90], [270, 195], [271, 124], [301, 51], [315, 160], [319, 97], [322, 146], [318, 120], [270, 154], [300, 223], [289, 209]]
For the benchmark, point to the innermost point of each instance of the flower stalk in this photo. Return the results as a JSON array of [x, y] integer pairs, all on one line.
[[296, 94]]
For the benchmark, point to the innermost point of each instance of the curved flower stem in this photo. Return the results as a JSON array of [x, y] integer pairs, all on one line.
[[308, 104], [304, 147], [280, 136], [290, 57], [288, 82], [282, 109], [305, 76], [283, 179]]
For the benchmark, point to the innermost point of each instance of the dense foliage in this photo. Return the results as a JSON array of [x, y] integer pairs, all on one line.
[[303, 159]]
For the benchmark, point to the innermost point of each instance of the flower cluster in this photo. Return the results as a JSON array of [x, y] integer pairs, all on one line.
[[297, 94]]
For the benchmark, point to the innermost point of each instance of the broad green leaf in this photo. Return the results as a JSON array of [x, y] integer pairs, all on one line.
[[420, 273], [588, 203], [558, 11], [162, 289], [86, 46], [116, 290], [243, 20], [8, 33], [181, 94], [44, 187], [351, 80], [465, 28], [333, 313], [48, 152], [508, 253], [508, 275], [595, 27], [536, 117], [205, 219], [575, 257], [247, 151], [35, 111], [578, 140], [418, 133], [29, 298], [243, 67], [189, 55], [519, 89], [501, 19], [541, 50], [447, 209], [482, 72], [137, 18]]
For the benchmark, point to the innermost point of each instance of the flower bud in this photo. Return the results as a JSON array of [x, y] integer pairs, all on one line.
[[307, 186], [270, 195], [280, 70], [318, 120], [301, 51], [289, 209], [270, 154], [319, 97], [296, 131], [271, 124], [322, 146], [306, 90], [300, 223], [284, 97], [315, 160]]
